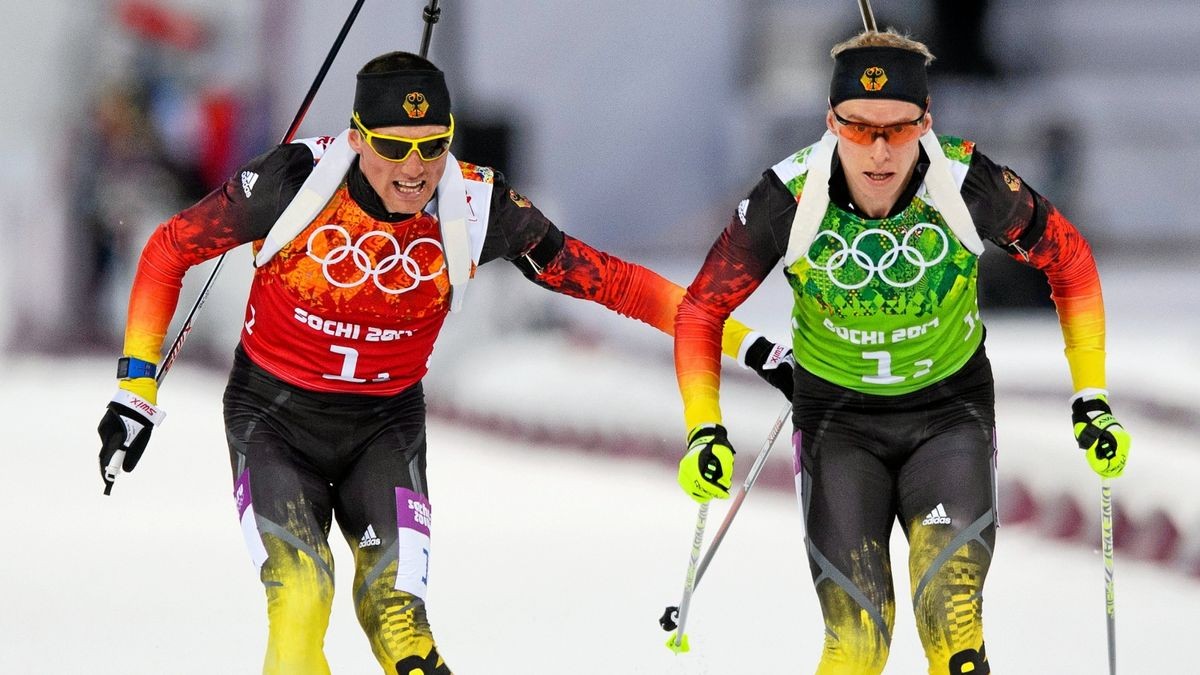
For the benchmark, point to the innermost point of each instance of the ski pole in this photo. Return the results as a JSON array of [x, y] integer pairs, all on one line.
[[868, 16], [186, 329], [431, 14], [678, 642], [1106, 549], [668, 620], [113, 469]]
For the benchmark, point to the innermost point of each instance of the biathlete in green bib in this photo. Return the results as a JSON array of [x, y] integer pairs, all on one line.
[[879, 226]]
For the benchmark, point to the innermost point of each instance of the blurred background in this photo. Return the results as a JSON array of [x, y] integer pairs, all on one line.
[[635, 130], [636, 127]]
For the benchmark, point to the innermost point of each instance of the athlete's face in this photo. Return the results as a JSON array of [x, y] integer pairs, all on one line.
[[878, 171], [407, 186]]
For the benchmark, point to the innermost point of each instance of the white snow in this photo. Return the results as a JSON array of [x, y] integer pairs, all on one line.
[[547, 560]]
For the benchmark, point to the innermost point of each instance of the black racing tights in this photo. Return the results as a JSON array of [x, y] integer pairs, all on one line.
[[926, 458], [303, 459]]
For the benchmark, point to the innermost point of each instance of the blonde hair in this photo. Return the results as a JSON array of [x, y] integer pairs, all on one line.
[[886, 38]]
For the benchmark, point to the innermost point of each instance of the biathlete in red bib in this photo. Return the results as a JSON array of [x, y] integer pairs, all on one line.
[[363, 243]]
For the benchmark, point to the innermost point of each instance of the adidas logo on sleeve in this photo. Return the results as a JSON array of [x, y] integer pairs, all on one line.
[[937, 516], [249, 178]]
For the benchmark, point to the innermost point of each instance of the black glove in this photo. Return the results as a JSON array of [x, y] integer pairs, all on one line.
[[125, 428], [773, 363]]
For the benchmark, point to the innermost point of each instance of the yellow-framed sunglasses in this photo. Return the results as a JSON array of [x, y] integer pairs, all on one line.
[[397, 148]]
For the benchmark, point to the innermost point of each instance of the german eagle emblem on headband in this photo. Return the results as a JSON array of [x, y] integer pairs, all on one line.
[[873, 78], [415, 105]]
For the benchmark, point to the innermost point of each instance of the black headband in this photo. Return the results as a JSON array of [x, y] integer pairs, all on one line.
[[402, 98], [879, 72]]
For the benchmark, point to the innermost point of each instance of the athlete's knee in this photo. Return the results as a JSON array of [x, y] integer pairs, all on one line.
[[299, 609], [949, 617], [299, 588], [858, 631]]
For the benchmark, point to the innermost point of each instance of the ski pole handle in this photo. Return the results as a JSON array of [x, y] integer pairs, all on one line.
[[115, 463], [112, 470]]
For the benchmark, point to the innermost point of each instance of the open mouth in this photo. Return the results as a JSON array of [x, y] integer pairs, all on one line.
[[409, 188], [878, 177]]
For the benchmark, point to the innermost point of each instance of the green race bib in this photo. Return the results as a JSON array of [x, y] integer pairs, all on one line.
[[885, 306]]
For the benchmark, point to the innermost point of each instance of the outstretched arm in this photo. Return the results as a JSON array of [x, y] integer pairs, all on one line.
[[581, 271], [519, 232]]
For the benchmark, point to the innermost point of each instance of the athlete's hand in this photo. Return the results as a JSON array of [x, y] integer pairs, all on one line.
[[125, 429], [773, 362], [1104, 441], [706, 471]]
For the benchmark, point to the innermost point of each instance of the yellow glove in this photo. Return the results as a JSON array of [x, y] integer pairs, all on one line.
[[706, 471], [1104, 441]]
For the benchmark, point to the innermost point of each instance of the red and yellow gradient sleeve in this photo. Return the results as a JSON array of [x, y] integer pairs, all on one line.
[[1066, 258], [729, 275], [628, 289], [187, 239]]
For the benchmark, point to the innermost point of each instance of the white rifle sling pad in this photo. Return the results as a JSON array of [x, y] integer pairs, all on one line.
[[944, 189], [314, 194], [814, 199], [452, 218], [946, 192]]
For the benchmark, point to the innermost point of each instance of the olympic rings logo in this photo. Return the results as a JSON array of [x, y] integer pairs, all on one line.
[[373, 269], [895, 249]]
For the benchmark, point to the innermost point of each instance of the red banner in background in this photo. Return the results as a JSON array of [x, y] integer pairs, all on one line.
[[152, 21]]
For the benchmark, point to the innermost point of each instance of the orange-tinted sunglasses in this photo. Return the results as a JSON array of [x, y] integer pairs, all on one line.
[[893, 134], [398, 148]]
